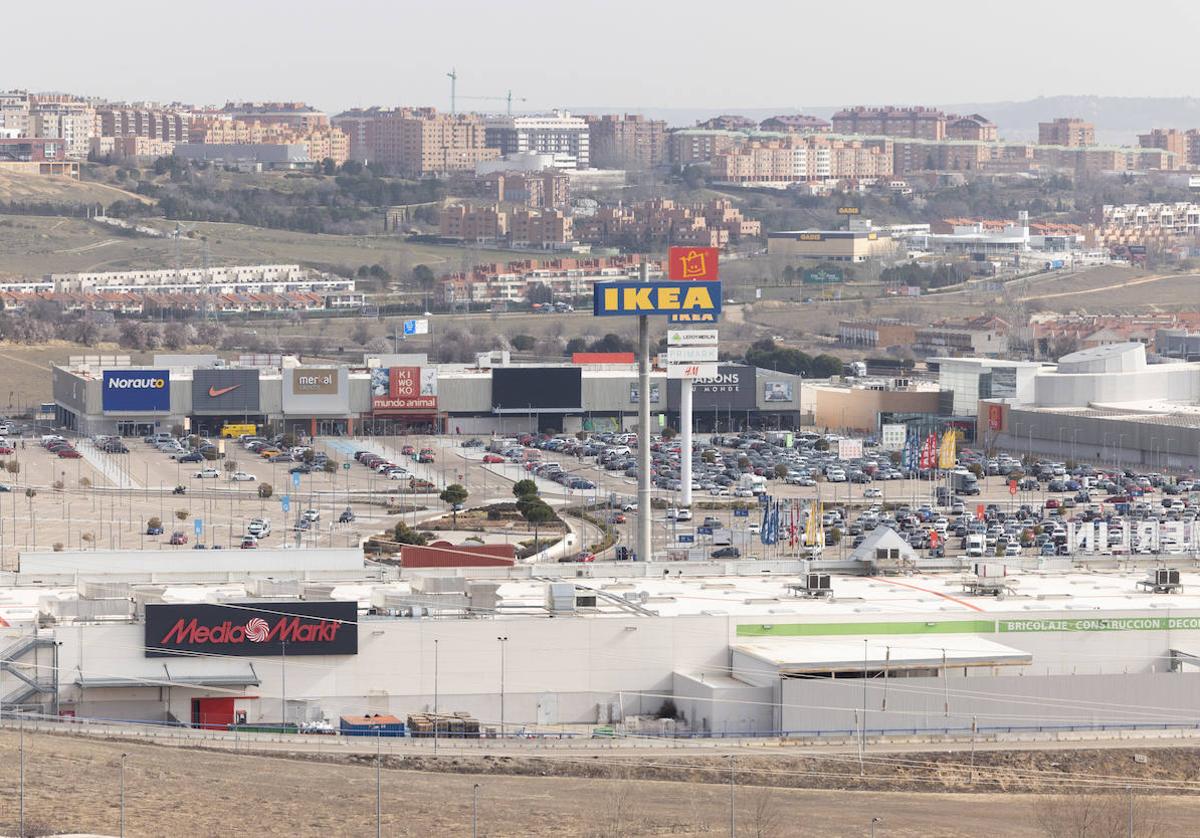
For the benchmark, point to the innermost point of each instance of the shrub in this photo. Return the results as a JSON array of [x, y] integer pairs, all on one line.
[[182, 514], [265, 490], [154, 523]]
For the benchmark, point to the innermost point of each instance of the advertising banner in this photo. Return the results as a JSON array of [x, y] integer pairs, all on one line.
[[691, 354], [892, 437], [691, 337], [232, 391], [693, 263], [822, 276], [314, 391], [947, 453], [258, 629], [849, 449], [732, 388], [682, 371], [404, 388], [136, 391], [778, 391], [655, 393], [537, 389], [995, 417], [627, 299]]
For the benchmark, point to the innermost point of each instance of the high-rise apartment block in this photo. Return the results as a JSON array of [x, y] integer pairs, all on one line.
[[1067, 131], [157, 122], [627, 142], [417, 142], [804, 158], [925, 123], [566, 137], [550, 188]]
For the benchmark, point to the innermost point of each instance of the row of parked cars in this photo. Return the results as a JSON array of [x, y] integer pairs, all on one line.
[[388, 470]]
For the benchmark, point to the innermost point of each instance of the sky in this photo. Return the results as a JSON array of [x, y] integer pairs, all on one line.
[[719, 54]]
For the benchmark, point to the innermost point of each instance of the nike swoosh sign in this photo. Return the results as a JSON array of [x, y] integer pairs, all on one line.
[[214, 392]]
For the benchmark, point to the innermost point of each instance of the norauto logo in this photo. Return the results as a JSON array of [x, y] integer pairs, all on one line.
[[152, 383], [256, 630]]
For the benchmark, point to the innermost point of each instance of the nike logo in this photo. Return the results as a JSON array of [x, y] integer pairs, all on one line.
[[214, 392]]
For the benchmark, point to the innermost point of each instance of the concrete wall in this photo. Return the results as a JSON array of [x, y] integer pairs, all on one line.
[[997, 702], [858, 409], [1099, 438], [108, 562]]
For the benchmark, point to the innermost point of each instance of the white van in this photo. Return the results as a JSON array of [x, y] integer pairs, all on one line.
[[976, 545]]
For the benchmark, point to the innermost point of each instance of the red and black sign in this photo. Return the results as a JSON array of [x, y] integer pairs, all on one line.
[[259, 629]]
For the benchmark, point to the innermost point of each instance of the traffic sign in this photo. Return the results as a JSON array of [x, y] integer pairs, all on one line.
[[741, 513], [199, 525], [686, 538], [296, 479], [345, 466], [704, 530], [285, 502], [1012, 487], [691, 337]]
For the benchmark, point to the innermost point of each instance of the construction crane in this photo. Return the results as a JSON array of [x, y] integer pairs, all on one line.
[[453, 76], [509, 99]]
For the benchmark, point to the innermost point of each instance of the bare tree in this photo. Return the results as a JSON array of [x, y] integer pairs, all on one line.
[[766, 811], [1103, 813]]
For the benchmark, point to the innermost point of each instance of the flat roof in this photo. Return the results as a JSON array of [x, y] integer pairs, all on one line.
[[799, 654]]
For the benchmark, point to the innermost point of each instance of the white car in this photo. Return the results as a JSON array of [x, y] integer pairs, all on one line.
[[743, 493], [312, 515], [259, 527], [754, 529], [630, 507], [242, 477], [872, 493], [206, 473]]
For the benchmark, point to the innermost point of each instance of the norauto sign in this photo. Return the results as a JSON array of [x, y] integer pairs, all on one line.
[[260, 629]]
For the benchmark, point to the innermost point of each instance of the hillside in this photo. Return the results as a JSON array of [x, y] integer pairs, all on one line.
[[23, 188]]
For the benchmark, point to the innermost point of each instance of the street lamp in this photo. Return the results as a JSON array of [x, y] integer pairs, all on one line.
[[475, 811], [503, 640], [874, 821]]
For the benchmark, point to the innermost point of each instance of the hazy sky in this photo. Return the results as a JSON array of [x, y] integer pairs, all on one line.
[[616, 53]]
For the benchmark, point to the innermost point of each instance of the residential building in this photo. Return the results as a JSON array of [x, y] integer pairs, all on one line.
[[320, 141], [1184, 145], [802, 158], [564, 277], [248, 155], [1067, 131], [239, 279], [549, 188], [692, 146], [1147, 224], [858, 244], [971, 127], [14, 111], [66, 118], [548, 229], [566, 137], [982, 336], [727, 122], [296, 115], [126, 147], [471, 223], [168, 123], [36, 156], [626, 142], [416, 142], [924, 123], [716, 223], [797, 123]]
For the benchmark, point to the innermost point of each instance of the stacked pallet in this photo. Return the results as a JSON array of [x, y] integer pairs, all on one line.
[[449, 725]]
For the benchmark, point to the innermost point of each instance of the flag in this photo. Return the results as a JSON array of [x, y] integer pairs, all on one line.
[[947, 451], [928, 456], [763, 532], [910, 453]]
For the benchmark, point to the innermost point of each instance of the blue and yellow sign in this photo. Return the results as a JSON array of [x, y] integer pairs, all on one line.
[[700, 300]]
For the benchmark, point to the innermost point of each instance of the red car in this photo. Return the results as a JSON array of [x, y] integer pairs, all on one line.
[[69, 454], [490, 458], [408, 449], [178, 538], [6, 449]]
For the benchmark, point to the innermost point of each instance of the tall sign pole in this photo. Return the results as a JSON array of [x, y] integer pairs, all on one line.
[[644, 510], [685, 441]]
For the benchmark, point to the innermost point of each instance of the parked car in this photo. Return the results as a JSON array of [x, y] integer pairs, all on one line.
[[207, 474], [190, 457], [178, 538], [249, 542], [69, 454], [727, 553], [242, 477]]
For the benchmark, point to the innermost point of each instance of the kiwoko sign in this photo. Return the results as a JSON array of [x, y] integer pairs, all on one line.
[[259, 629], [136, 391]]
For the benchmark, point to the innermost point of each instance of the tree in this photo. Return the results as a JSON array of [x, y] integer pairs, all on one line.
[[454, 494], [523, 343], [265, 490], [668, 434], [576, 345], [182, 514], [538, 513], [154, 523], [781, 471], [328, 166], [525, 488], [539, 294], [423, 277], [402, 533]]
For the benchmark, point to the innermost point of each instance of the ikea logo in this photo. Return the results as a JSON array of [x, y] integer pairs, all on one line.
[[666, 298]]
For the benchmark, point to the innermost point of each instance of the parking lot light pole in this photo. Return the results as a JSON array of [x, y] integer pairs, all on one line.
[[643, 477], [503, 640]]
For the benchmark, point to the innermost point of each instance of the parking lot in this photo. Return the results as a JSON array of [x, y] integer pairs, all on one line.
[[92, 494]]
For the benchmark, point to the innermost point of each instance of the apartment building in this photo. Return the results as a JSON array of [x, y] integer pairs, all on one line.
[[512, 282], [320, 142], [122, 148], [1147, 224], [295, 115], [471, 223], [72, 121], [925, 123], [14, 112], [567, 137], [168, 123], [971, 127], [546, 228], [716, 223], [416, 142], [1067, 131], [796, 124], [549, 188], [983, 336], [1183, 145], [239, 279], [727, 122], [692, 146], [626, 142], [804, 158]]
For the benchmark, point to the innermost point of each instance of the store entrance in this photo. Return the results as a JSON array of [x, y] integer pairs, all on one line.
[[135, 429]]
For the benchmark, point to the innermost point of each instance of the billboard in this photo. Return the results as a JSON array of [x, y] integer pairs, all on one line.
[[893, 436], [314, 391], [232, 391], [995, 417], [822, 276], [537, 389], [259, 629], [692, 298], [136, 391], [778, 391], [732, 388], [404, 388], [849, 449], [692, 263], [655, 393]]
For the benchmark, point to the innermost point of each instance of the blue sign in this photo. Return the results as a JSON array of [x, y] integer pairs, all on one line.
[[741, 513], [410, 327], [704, 530], [285, 502], [693, 301], [199, 525], [136, 391], [686, 538], [296, 479]]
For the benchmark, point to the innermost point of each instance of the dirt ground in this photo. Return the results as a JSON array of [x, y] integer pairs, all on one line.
[[73, 785]]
